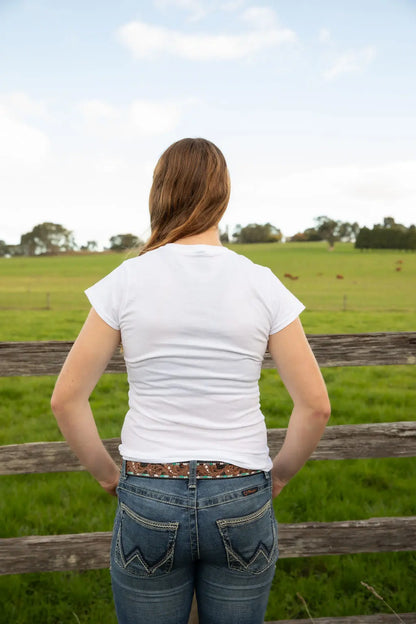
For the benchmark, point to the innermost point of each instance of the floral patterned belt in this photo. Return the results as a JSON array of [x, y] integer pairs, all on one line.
[[180, 470]]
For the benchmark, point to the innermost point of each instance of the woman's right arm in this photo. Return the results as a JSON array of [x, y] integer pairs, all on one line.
[[302, 377], [83, 367]]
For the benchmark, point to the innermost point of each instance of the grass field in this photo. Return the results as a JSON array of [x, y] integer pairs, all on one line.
[[42, 299]]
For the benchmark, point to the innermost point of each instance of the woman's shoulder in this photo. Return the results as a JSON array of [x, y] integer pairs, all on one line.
[[146, 258], [250, 265]]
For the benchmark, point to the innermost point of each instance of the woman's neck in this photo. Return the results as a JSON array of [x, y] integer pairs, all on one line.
[[209, 237]]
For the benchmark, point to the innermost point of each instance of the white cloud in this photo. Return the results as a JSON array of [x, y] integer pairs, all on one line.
[[19, 104], [151, 117], [21, 143], [140, 118], [146, 41], [364, 194], [261, 18], [97, 110], [94, 194], [352, 61], [324, 36], [388, 183], [385, 183]]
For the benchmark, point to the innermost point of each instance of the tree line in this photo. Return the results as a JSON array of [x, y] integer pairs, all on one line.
[[388, 235], [53, 238]]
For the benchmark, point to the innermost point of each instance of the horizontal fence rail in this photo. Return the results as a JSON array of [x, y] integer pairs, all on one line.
[[90, 551], [375, 349], [338, 442]]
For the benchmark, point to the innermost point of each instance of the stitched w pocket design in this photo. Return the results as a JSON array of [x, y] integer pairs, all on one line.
[[250, 541], [144, 547]]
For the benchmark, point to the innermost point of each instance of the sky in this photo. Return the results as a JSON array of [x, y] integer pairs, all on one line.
[[313, 103]]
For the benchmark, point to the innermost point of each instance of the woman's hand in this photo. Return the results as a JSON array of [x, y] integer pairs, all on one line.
[[277, 486], [111, 486]]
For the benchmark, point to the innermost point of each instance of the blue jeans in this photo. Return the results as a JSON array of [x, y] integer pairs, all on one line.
[[172, 537]]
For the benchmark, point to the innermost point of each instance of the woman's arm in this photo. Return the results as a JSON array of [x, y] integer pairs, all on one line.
[[80, 373], [302, 377]]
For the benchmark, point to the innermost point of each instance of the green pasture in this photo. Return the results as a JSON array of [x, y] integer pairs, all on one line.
[[42, 299]]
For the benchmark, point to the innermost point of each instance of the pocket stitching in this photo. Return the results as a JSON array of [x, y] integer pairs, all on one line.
[[153, 524], [244, 519], [233, 558], [172, 527]]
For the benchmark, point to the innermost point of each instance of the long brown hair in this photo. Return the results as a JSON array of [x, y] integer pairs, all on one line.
[[190, 191]]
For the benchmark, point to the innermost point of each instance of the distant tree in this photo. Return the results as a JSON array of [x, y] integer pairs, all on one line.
[[90, 246], [312, 235], [387, 235], [328, 229], [309, 235], [4, 248], [389, 223], [47, 238], [299, 237], [363, 240], [347, 231], [224, 238], [255, 233], [355, 228], [15, 250], [237, 232], [121, 242], [411, 237], [275, 235]]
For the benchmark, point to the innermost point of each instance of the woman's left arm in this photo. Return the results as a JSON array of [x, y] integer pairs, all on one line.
[[80, 373]]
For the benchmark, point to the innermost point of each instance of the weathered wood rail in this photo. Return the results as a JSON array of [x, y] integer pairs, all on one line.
[[396, 439], [374, 349], [90, 550]]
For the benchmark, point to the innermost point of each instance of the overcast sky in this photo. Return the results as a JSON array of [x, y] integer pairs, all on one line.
[[313, 103]]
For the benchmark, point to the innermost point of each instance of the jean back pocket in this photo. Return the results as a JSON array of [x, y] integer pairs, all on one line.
[[250, 541], [144, 547]]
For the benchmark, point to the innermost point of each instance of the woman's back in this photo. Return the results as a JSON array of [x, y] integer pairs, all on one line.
[[194, 321]]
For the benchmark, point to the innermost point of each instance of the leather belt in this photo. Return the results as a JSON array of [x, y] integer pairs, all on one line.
[[180, 470]]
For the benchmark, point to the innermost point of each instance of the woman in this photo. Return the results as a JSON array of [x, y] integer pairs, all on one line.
[[195, 319]]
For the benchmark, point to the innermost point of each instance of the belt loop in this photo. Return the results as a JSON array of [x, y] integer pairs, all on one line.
[[192, 473], [267, 474], [123, 471]]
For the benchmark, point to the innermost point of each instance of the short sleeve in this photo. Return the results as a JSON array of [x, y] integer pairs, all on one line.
[[285, 307], [106, 296]]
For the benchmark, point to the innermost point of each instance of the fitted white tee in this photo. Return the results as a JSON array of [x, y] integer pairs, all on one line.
[[194, 322]]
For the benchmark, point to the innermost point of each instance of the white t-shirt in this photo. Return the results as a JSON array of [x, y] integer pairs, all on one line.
[[194, 322]]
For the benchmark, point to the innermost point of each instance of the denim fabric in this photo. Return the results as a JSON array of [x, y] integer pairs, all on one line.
[[173, 536]]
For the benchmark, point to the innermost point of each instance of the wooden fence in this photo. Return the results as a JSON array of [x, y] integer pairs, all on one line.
[[86, 551]]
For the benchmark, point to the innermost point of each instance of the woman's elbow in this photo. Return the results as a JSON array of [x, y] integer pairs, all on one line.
[[318, 407], [57, 403], [61, 402], [322, 408]]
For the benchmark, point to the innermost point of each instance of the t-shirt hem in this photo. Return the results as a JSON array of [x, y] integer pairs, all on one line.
[[289, 319], [100, 312], [200, 456]]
